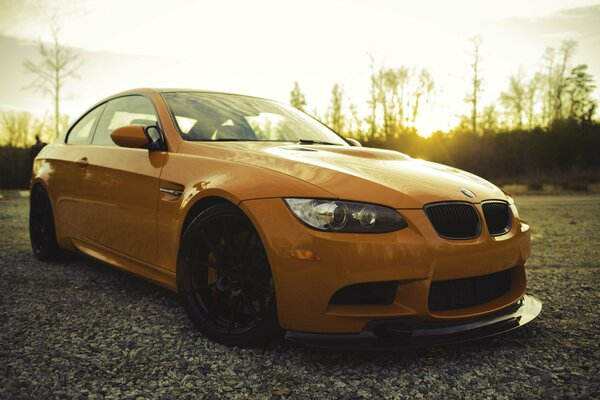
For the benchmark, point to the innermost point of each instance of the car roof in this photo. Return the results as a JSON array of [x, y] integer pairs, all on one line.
[[149, 91]]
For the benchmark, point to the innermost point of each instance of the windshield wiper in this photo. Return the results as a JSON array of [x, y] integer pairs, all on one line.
[[232, 140], [310, 141]]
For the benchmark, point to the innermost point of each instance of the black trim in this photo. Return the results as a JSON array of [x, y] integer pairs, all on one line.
[[389, 334], [93, 130], [468, 292], [485, 209], [158, 124], [368, 293], [103, 103], [155, 145], [431, 206]]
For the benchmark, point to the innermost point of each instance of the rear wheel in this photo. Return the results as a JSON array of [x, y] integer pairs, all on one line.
[[42, 232], [224, 278]]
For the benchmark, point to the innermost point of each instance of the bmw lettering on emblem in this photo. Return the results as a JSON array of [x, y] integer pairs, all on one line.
[[467, 193]]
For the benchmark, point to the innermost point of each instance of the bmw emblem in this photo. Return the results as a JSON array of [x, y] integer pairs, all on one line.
[[467, 193]]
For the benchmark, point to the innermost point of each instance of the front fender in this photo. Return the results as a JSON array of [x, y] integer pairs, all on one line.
[[200, 177]]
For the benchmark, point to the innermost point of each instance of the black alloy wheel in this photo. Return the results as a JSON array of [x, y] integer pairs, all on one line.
[[42, 233], [225, 280]]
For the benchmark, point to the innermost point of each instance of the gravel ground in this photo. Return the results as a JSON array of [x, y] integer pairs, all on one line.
[[80, 329]]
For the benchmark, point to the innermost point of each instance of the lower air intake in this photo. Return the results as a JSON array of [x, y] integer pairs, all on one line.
[[468, 292], [370, 293]]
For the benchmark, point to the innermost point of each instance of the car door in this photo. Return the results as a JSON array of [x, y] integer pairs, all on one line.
[[67, 171], [121, 185]]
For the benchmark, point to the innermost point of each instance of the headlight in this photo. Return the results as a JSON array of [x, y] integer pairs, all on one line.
[[346, 216]]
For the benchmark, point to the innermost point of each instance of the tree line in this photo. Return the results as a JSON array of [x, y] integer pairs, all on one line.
[[556, 93], [541, 126]]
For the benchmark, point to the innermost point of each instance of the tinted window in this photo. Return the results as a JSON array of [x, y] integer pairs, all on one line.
[[212, 116], [81, 132], [128, 110]]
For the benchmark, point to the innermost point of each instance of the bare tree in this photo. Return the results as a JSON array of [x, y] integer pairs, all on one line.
[[548, 103], [401, 97], [57, 64], [514, 99], [372, 119], [489, 120], [422, 91], [531, 96], [560, 80], [335, 116], [390, 81], [396, 95], [556, 67], [297, 98], [476, 81], [390, 94], [579, 87], [355, 128]]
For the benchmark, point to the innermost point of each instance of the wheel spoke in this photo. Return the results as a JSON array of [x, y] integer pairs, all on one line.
[[237, 251], [258, 285], [229, 247], [213, 307], [260, 261], [245, 244], [227, 237], [249, 304], [208, 242], [207, 264]]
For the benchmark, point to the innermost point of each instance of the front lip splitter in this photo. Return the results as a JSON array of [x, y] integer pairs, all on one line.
[[388, 334]]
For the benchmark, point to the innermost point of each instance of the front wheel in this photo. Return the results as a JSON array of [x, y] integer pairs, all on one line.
[[225, 281]]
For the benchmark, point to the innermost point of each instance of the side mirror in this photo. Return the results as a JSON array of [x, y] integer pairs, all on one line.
[[353, 142], [136, 137]]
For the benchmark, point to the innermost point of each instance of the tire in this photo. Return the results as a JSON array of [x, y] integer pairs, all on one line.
[[42, 231], [225, 281]]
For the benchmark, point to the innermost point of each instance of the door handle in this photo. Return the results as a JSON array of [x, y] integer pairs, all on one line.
[[82, 162]]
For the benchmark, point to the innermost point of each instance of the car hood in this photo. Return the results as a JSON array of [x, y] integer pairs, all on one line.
[[357, 173]]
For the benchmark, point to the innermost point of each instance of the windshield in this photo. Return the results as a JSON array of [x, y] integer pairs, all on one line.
[[227, 117]]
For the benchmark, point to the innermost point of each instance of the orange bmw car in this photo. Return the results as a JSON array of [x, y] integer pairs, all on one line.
[[267, 223]]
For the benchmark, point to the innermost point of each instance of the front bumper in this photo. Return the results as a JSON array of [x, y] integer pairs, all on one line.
[[406, 333], [310, 266]]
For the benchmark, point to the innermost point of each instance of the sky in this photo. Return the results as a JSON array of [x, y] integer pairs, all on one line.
[[262, 47]]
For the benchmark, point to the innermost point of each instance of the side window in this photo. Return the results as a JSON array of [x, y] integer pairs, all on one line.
[[81, 132], [128, 110]]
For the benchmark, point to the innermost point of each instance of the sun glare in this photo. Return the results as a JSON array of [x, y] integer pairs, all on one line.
[[240, 57], [426, 126]]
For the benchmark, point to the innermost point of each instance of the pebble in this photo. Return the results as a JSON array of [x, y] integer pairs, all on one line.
[[80, 329]]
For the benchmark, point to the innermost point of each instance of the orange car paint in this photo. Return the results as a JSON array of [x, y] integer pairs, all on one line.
[[114, 193]]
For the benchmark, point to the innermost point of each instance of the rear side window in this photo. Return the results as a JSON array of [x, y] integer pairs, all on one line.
[[128, 110], [81, 132]]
